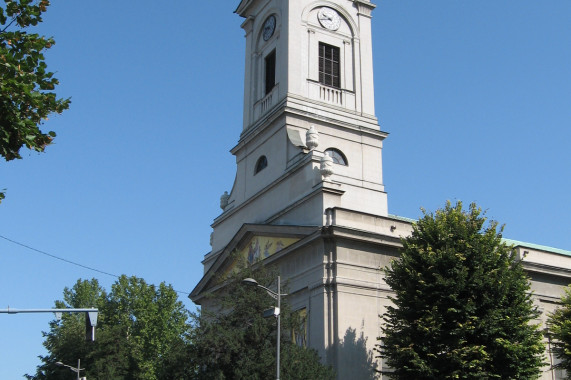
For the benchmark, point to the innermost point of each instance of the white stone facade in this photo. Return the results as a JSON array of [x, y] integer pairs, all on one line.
[[335, 215]]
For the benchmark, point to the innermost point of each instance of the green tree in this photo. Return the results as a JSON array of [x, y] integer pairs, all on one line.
[[236, 342], [462, 305], [559, 324], [65, 342], [27, 94], [140, 329]]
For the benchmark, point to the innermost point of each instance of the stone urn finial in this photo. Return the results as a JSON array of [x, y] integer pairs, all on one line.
[[311, 138], [326, 167], [224, 200]]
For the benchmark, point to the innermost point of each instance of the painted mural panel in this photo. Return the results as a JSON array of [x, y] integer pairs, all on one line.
[[261, 247]]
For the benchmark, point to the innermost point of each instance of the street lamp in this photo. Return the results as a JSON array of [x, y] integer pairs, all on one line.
[[547, 334], [76, 370], [273, 311]]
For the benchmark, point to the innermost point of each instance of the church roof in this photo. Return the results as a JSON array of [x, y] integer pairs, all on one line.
[[515, 243], [538, 247]]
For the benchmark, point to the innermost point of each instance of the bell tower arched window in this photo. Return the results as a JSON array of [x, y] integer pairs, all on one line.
[[337, 156], [261, 164]]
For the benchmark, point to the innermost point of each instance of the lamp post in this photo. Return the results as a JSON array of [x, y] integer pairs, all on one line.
[[76, 370], [276, 312], [547, 334]]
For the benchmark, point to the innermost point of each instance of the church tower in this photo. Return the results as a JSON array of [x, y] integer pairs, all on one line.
[[310, 138], [308, 195]]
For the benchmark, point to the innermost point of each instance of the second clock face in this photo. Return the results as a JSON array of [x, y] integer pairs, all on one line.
[[329, 18], [269, 27]]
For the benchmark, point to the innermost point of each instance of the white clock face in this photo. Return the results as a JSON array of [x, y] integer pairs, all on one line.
[[269, 27], [329, 18]]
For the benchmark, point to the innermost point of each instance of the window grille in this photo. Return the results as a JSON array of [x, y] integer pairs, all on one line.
[[329, 66]]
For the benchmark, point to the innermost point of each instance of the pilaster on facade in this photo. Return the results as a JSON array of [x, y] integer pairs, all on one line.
[[365, 7]]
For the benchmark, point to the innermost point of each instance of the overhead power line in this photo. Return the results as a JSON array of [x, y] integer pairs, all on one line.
[[58, 258], [67, 261]]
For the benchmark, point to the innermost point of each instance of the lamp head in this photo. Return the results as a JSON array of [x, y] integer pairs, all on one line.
[[250, 282]]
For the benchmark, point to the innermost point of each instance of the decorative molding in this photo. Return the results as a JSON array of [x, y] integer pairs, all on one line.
[[242, 7], [328, 189], [345, 15], [248, 24], [336, 232], [550, 270], [313, 108], [364, 7]]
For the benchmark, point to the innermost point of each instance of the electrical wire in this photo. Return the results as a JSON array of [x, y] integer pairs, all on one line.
[[68, 261]]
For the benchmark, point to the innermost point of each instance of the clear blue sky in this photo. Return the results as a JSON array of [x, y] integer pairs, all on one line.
[[476, 96]]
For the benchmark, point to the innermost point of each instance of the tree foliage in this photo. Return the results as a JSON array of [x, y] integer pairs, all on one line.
[[462, 304], [27, 87], [236, 342], [559, 324], [140, 329], [144, 333], [27, 94]]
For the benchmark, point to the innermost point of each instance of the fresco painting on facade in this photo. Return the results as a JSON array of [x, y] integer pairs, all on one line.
[[262, 247], [258, 249]]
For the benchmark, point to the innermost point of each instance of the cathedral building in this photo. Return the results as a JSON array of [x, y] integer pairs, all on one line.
[[309, 196]]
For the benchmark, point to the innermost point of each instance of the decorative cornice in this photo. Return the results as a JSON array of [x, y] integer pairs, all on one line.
[[244, 4], [360, 235], [550, 270], [364, 7], [311, 108], [248, 24]]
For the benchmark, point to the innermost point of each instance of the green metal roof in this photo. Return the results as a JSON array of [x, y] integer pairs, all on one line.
[[402, 218], [515, 243], [537, 246]]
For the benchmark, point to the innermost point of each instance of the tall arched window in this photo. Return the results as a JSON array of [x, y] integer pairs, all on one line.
[[261, 164], [337, 156]]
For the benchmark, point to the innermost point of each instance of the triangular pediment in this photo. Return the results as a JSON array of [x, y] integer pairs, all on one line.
[[253, 243]]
